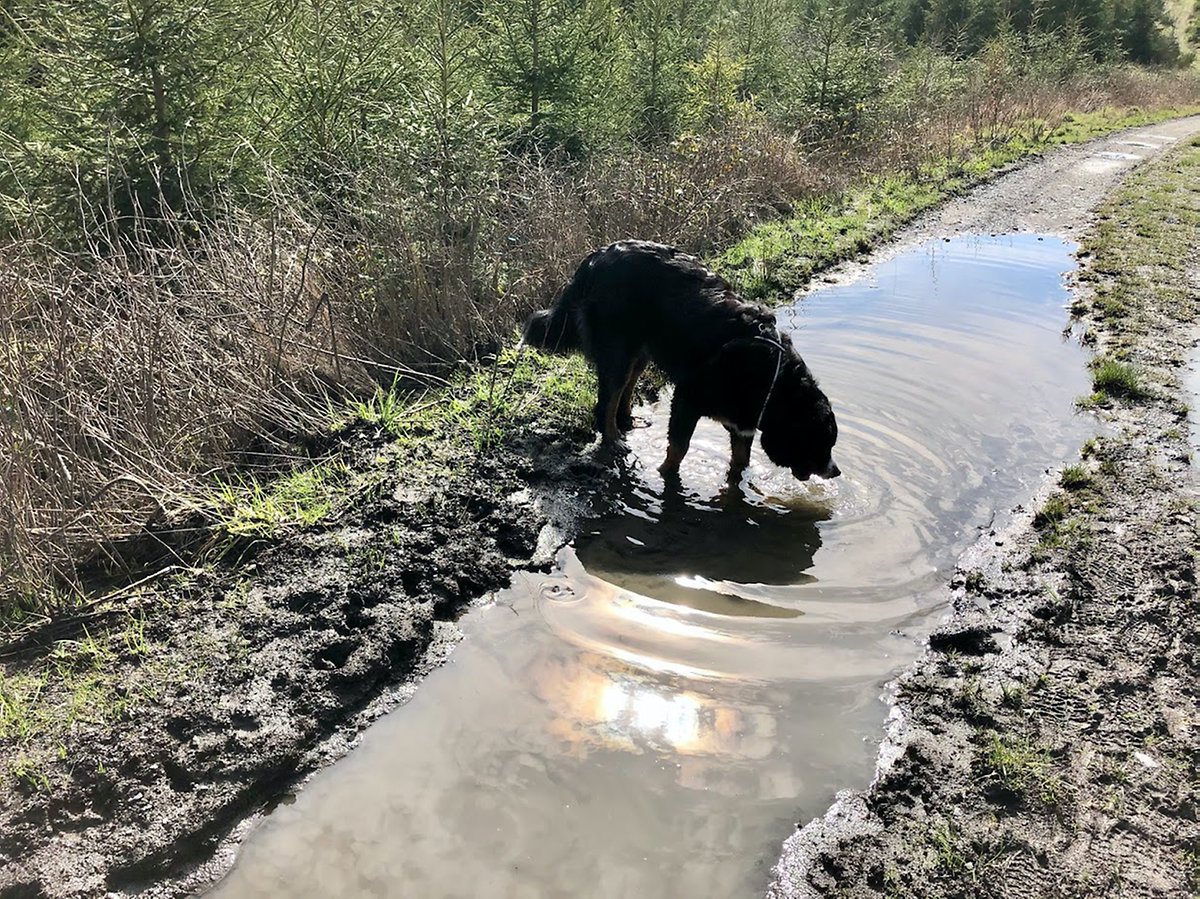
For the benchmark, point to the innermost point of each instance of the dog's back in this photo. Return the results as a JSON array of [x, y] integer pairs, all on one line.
[[647, 298]]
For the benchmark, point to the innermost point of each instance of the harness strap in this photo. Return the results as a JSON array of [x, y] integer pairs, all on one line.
[[778, 368]]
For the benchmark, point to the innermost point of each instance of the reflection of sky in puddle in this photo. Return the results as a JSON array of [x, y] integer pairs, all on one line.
[[703, 668]]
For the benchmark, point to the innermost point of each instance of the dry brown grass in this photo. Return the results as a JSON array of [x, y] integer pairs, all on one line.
[[132, 368]]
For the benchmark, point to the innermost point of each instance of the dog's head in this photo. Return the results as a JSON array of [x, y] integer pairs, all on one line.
[[798, 426]]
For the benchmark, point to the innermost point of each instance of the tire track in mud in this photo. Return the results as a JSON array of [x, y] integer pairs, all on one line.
[[1047, 745]]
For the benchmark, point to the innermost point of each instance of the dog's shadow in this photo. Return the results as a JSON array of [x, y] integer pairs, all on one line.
[[674, 535]]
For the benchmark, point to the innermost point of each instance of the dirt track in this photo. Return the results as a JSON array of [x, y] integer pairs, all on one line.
[[1045, 745], [287, 657]]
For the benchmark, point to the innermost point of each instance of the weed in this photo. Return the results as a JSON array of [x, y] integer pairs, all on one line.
[[971, 697], [1021, 766], [372, 561], [30, 772], [1053, 511], [1013, 695], [1075, 477], [944, 838], [134, 635], [1111, 377], [975, 580]]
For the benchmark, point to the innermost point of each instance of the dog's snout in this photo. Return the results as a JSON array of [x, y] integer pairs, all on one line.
[[831, 470]]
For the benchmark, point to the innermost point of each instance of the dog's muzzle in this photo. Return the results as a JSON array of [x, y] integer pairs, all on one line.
[[829, 471]]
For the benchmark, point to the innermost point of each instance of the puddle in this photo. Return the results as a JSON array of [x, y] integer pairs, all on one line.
[[704, 669], [1191, 385]]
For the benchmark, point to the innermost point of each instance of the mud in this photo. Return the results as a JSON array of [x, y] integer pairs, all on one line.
[[1045, 744]]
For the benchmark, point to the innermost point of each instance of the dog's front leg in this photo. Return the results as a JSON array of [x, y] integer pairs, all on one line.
[[740, 443], [685, 415]]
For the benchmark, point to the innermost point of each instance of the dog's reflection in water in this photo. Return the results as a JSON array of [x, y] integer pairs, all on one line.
[[677, 546]]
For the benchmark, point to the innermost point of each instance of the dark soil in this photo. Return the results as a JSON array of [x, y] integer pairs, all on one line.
[[1046, 743]]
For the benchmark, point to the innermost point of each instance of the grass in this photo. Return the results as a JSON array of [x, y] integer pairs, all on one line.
[[1113, 378], [93, 679], [1058, 527], [1080, 126], [1052, 512], [1021, 766], [1075, 477], [484, 408], [248, 506]]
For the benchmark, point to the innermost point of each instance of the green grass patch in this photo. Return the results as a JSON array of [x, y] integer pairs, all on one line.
[[1081, 126], [248, 506], [486, 407], [1076, 477], [1113, 378], [1021, 766], [1052, 512]]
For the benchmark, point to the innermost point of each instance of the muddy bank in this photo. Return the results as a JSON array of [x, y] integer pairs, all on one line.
[[243, 677], [1046, 744]]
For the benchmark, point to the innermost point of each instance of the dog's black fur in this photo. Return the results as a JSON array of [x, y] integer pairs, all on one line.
[[633, 302]]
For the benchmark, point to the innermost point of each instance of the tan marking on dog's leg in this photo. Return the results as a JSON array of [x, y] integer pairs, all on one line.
[[611, 431], [625, 412], [675, 454]]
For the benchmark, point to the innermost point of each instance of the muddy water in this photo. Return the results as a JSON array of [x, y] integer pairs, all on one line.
[[705, 667]]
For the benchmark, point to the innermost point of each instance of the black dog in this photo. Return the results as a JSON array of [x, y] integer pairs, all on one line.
[[633, 302]]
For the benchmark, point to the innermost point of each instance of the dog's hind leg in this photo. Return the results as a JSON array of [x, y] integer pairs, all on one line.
[[613, 365], [625, 409], [685, 415], [610, 382]]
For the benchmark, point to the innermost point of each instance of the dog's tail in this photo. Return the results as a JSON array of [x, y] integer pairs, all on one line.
[[555, 330]]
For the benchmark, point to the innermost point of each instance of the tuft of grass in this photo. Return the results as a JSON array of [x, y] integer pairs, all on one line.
[[1075, 477], [947, 848], [386, 408], [1052, 512], [1021, 766], [1113, 378], [246, 506]]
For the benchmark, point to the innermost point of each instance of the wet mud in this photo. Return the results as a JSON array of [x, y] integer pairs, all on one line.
[[282, 660]]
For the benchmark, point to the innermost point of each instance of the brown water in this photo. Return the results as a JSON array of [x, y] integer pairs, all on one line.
[[707, 667]]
